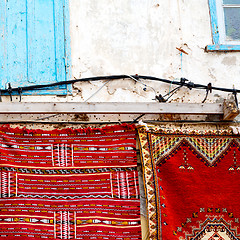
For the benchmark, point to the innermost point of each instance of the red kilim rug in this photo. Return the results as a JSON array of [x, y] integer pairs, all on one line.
[[69, 184], [192, 182]]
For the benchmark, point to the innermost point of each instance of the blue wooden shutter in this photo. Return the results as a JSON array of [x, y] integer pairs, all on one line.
[[33, 43]]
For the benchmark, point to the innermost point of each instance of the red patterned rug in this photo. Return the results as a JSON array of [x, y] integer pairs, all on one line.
[[192, 182], [69, 184]]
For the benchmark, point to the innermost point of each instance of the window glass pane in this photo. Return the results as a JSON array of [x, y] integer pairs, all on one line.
[[232, 23], [231, 1]]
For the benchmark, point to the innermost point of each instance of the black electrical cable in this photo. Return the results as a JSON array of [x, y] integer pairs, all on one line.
[[136, 119], [189, 84], [172, 91], [41, 86], [185, 83], [209, 89]]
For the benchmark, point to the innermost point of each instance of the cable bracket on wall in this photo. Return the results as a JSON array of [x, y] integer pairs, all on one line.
[[20, 94], [190, 85], [10, 91], [235, 96], [209, 89]]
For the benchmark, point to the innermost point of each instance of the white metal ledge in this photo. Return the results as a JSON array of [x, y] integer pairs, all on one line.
[[110, 108]]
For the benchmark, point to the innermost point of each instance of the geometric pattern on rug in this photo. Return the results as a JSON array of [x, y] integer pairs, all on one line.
[[209, 149], [214, 229], [69, 184], [192, 186]]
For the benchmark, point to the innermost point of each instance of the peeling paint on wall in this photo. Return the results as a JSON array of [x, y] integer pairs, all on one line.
[[118, 38]]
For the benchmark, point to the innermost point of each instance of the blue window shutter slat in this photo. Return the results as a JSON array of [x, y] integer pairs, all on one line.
[[2, 43], [41, 46], [67, 46], [59, 43], [13, 42], [33, 45]]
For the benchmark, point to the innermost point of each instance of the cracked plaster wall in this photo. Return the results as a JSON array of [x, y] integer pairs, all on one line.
[[141, 37], [110, 37]]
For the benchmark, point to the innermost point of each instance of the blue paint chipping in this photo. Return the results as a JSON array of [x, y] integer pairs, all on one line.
[[217, 46], [214, 21], [34, 44], [220, 47], [67, 46]]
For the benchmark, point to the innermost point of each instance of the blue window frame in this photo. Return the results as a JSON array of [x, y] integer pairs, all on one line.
[[34, 44], [225, 22]]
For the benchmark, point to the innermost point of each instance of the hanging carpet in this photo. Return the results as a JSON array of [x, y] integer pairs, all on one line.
[[192, 183], [69, 184]]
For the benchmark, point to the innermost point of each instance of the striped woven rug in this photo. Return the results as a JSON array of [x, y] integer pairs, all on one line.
[[69, 184]]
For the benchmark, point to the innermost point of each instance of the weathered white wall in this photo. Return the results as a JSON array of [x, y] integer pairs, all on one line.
[[141, 36], [110, 37]]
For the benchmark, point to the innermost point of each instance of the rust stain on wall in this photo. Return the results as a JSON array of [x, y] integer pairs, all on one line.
[[81, 117]]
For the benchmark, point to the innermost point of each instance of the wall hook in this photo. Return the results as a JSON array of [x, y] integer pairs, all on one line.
[[20, 94]]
